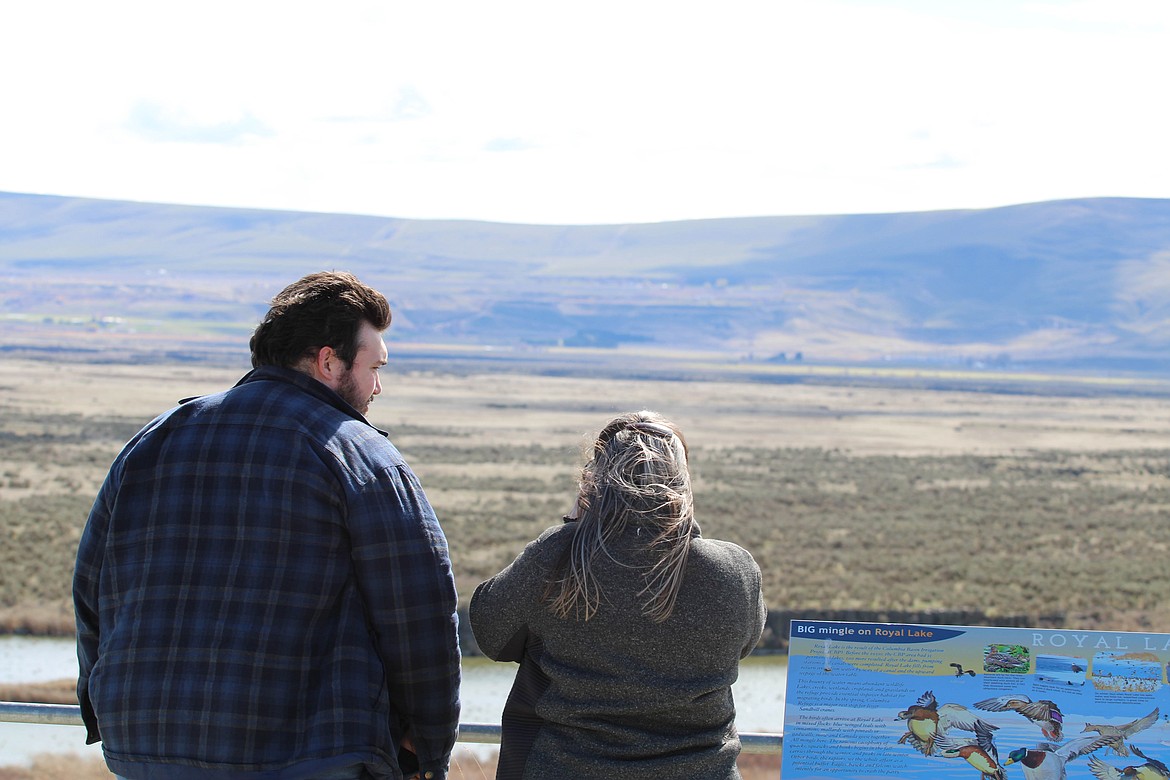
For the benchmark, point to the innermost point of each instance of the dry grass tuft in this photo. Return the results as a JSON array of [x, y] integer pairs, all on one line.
[[52, 692], [58, 767], [38, 619], [757, 767]]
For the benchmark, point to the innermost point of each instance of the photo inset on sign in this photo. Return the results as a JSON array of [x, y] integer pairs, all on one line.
[[1006, 659], [1126, 671], [1064, 669]]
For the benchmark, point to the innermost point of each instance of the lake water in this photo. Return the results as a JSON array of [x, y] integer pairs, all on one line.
[[759, 695]]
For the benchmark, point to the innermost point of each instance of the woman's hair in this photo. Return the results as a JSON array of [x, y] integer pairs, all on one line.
[[324, 309], [636, 475]]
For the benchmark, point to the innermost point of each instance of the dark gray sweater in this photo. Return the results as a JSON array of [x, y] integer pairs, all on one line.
[[620, 695]]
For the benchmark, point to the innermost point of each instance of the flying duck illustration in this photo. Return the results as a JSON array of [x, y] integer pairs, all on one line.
[[926, 721], [1043, 713], [980, 754], [1118, 734], [960, 671], [1153, 769], [1047, 761]]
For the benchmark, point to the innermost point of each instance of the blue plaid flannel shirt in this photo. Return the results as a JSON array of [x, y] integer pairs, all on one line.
[[263, 587]]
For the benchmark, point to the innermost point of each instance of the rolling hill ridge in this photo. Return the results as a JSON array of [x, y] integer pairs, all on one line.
[[1079, 283]]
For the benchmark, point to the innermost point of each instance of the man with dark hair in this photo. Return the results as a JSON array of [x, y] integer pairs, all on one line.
[[262, 588]]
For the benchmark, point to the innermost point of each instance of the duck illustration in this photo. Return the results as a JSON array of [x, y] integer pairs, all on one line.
[[1001, 662], [926, 721], [960, 671], [1118, 734], [980, 754], [1153, 769], [1043, 713], [1047, 761]]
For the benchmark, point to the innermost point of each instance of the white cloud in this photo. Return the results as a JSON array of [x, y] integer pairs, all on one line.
[[606, 112], [157, 124]]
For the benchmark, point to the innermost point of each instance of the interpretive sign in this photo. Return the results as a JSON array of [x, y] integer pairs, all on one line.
[[883, 700]]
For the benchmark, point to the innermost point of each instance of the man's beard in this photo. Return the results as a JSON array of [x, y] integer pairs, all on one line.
[[349, 392]]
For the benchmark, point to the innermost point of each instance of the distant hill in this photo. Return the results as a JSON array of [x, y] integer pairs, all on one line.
[[1079, 283]]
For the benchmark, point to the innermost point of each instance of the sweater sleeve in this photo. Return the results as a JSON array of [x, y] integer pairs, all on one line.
[[757, 629], [503, 607]]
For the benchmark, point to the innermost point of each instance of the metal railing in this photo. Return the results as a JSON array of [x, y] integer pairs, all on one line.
[[480, 733]]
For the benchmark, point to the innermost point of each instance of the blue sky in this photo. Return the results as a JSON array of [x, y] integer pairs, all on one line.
[[577, 113]]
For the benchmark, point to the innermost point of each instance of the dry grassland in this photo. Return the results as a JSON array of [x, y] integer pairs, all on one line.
[[849, 497], [862, 497]]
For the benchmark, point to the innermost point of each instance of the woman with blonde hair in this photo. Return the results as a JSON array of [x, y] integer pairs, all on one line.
[[628, 625]]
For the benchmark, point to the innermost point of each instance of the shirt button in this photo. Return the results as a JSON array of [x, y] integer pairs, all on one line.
[[428, 774]]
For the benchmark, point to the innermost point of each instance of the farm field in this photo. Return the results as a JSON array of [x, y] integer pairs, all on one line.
[[850, 497]]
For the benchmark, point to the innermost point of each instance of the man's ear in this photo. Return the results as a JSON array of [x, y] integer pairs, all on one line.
[[327, 366]]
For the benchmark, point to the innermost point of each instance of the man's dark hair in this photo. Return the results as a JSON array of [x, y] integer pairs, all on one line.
[[324, 309]]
